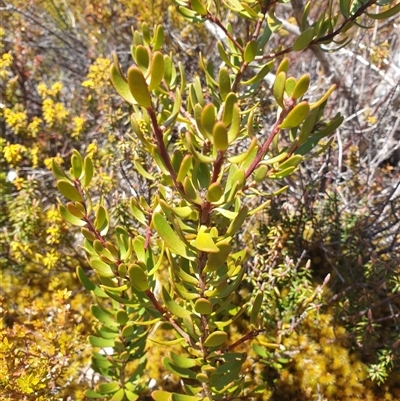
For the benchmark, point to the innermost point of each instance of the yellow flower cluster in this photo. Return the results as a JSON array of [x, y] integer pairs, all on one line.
[[91, 149], [79, 125], [44, 91], [16, 119], [34, 126], [48, 162], [98, 75], [2, 33], [50, 259], [56, 223], [5, 63], [54, 112], [34, 155], [13, 153]]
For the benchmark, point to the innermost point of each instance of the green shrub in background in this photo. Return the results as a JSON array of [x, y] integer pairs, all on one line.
[[179, 270]]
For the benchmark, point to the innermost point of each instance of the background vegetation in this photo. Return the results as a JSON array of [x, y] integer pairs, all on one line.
[[340, 212]]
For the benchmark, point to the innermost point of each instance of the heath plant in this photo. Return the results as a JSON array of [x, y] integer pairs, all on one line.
[[202, 156]]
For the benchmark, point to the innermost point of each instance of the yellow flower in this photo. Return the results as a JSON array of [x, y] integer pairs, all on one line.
[[13, 153], [79, 125], [91, 149], [16, 120], [50, 259], [33, 127], [48, 162], [56, 88], [98, 75], [42, 90]]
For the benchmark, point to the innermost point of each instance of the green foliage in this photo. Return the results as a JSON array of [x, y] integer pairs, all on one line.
[[198, 285], [184, 260]]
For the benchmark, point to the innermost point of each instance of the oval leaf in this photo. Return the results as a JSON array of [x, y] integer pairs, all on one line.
[[69, 191], [170, 238], [138, 87], [138, 278], [216, 339], [304, 39], [296, 116]]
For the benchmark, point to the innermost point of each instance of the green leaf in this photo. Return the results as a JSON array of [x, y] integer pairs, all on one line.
[[208, 119], [183, 361], [386, 14], [77, 164], [121, 85], [256, 308], [260, 74], [138, 278], [137, 212], [160, 395], [216, 260], [130, 395], [323, 98], [282, 173], [237, 223], [102, 221], [183, 397], [224, 56], [191, 191], [289, 85], [156, 70], [220, 135], [142, 171], [234, 128], [260, 173], [214, 192], [69, 191], [84, 279], [293, 161], [88, 169], [198, 90], [345, 7], [308, 126], [138, 87], [101, 268], [146, 33], [216, 339], [184, 168], [283, 66], [57, 170], [245, 155], [330, 127], [101, 342], [203, 306], [204, 241], [250, 51], [119, 395], [199, 7], [274, 23], [172, 306], [279, 88], [122, 317], [70, 217], [304, 39], [142, 57], [93, 394], [304, 22], [158, 38], [183, 373], [224, 82], [296, 116], [103, 316], [301, 86]]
